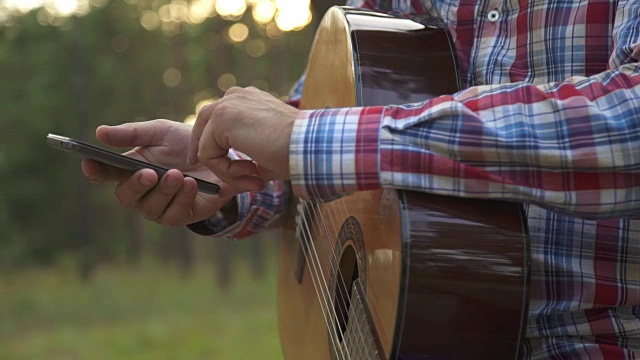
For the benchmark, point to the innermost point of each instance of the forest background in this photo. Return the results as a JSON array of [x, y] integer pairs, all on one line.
[[81, 276]]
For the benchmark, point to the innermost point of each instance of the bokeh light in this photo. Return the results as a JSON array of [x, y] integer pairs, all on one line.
[[204, 103], [288, 15], [231, 9], [210, 40], [256, 48], [264, 11], [199, 10], [150, 20], [238, 32], [226, 81], [172, 77], [120, 43]]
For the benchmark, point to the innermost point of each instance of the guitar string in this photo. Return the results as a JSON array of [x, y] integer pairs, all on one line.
[[319, 216], [319, 289], [335, 266], [356, 326], [357, 329], [360, 331], [340, 296]]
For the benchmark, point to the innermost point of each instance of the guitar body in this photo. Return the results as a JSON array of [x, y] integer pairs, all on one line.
[[389, 274]]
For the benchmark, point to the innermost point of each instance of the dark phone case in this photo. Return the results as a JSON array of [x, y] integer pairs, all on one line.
[[120, 161]]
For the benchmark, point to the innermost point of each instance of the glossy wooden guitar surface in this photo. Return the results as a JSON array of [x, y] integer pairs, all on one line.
[[391, 274]]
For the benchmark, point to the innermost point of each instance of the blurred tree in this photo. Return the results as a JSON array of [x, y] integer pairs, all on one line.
[[80, 109], [112, 62]]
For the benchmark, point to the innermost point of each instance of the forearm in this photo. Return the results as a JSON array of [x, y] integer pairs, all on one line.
[[571, 146]]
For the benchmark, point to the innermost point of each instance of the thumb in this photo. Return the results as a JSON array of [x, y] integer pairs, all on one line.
[[133, 134]]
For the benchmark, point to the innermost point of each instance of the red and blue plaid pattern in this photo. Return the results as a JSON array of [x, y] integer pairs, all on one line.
[[550, 117]]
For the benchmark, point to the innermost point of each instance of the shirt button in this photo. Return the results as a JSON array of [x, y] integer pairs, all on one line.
[[493, 15]]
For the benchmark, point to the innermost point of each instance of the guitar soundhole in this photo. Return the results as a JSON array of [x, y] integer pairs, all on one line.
[[342, 301], [348, 266]]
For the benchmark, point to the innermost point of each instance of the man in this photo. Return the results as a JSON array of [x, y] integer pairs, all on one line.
[[550, 117]]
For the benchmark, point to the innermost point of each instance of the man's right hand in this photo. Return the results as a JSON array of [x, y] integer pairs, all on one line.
[[172, 200]]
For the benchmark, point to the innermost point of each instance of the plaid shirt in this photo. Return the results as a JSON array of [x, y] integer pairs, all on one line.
[[550, 116]]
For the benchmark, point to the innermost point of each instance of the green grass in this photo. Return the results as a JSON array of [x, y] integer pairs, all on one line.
[[146, 313]]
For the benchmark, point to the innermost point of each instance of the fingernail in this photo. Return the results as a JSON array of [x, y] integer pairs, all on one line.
[[90, 178], [83, 168]]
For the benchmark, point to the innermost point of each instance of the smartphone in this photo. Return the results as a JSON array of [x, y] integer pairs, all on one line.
[[120, 161]]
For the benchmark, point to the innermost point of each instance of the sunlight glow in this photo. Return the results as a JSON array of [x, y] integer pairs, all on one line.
[[231, 9], [204, 103], [191, 119], [50, 12], [264, 11], [178, 10], [62, 7], [293, 18], [287, 15], [199, 10], [283, 4], [293, 14], [24, 6], [65, 7], [165, 13]]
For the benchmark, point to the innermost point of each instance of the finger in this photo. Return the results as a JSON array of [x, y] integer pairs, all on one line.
[[245, 175], [97, 172], [233, 90], [180, 211], [266, 174], [154, 203], [248, 183], [234, 175], [133, 134], [241, 168], [238, 173], [213, 153], [202, 119], [130, 190]]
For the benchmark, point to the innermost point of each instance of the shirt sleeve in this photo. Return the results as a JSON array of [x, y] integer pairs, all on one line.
[[571, 146], [256, 211]]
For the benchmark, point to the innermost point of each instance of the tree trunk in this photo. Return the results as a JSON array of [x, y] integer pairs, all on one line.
[[81, 108]]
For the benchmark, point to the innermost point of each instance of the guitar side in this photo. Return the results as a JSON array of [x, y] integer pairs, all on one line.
[[438, 270], [465, 279]]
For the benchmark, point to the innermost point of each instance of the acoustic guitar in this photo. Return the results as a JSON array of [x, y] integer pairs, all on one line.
[[390, 274]]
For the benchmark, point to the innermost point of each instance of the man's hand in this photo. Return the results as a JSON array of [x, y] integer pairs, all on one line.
[[172, 200], [253, 122]]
